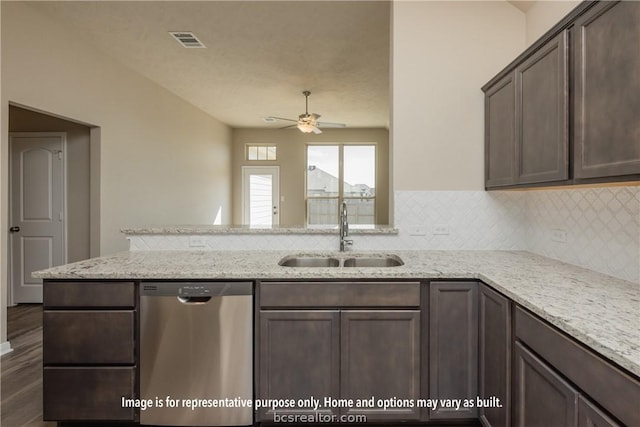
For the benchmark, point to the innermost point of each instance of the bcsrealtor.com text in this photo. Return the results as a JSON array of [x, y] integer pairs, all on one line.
[[318, 417]]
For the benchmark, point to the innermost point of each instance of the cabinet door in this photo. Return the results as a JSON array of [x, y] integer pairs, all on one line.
[[453, 346], [542, 96], [542, 398], [380, 359], [495, 357], [87, 393], [607, 90], [298, 355], [591, 416], [500, 133]]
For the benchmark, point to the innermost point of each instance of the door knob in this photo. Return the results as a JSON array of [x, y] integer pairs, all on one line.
[[14, 229]]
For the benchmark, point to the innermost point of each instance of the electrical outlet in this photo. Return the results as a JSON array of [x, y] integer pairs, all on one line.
[[441, 230], [417, 230], [559, 235], [196, 242]]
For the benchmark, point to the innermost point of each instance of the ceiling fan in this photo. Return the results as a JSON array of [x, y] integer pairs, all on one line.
[[306, 122]]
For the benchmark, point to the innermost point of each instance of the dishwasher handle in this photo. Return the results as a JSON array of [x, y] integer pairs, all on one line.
[[194, 300]]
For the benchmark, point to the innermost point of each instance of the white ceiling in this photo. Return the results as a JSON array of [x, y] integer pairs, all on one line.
[[260, 55]]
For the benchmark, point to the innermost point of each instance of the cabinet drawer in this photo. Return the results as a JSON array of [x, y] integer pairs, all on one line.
[[602, 381], [339, 294], [89, 294], [72, 394], [88, 337]]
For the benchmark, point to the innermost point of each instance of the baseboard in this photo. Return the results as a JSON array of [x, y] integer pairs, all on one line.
[[5, 348]]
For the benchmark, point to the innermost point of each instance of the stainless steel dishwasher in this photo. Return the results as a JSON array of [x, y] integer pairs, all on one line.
[[196, 343]]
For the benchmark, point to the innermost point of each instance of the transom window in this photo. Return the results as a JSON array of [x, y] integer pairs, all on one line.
[[337, 173], [260, 152]]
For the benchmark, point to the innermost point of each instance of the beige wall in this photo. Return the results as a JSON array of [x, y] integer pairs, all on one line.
[[443, 53], [545, 14], [78, 174], [163, 161], [291, 160]]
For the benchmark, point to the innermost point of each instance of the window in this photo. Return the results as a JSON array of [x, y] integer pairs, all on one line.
[[337, 173], [260, 152]]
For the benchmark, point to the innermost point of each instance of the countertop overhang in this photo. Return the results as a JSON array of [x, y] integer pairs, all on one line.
[[600, 311], [165, 230]]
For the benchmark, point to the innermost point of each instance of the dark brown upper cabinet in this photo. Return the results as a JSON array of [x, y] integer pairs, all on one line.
[[526, 120], [542, 110], [567, 110], [607, 90], [500, 132]]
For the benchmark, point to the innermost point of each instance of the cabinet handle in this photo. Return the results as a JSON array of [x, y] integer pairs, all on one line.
[[14, 229]]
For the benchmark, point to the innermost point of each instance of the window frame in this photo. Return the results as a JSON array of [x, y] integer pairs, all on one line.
[[260, 144], [340, 197]]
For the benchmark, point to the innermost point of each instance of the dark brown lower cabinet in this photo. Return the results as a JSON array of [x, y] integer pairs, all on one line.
[[299, 356], [349, 354], [494, 342], [589, 373], [453, 347], [542, 398], [589, 415], [89, 350], [88, 393], [356, 341], [380, 359]]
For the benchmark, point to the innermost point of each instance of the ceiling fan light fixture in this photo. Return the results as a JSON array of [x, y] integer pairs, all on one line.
[[306, 122], [306, 127]]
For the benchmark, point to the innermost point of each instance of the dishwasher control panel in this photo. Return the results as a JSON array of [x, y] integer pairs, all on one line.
[[196, 289]]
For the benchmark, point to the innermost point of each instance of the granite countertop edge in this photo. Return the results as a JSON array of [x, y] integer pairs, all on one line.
[[245, 230], [600, 311]]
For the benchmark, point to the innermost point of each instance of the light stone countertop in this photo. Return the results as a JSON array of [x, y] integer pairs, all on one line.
[[598, 310], [245, 229]]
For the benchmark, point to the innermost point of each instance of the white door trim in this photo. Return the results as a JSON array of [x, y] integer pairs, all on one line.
[[275, 171], [63, 137]]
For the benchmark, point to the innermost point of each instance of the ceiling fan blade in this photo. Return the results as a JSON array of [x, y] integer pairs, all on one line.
[[281, 118], [330, 125], [289, 126], [316, 130]]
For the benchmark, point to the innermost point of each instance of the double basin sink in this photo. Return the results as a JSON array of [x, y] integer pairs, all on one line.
[[332, 261]]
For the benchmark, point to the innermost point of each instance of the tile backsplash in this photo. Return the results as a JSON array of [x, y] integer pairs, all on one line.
[[454, 220], [595, 228]]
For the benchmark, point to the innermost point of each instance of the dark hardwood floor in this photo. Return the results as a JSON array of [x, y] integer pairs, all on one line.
[[21, 370]]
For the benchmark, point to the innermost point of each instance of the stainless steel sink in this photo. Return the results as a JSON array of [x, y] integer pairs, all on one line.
[[310, 261], [386, 261]]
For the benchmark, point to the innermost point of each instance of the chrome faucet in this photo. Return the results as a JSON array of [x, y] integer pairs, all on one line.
[[344, 227]]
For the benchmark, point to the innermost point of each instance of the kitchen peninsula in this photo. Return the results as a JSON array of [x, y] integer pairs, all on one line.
[[589, 317]]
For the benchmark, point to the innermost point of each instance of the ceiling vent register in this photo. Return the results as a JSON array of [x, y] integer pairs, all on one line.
[[187, 39]]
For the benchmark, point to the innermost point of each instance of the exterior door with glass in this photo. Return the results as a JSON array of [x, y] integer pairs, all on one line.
[[261, 196]]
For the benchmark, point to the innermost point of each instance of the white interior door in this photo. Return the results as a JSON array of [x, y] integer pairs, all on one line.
[[261, 195], [36, 211]]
